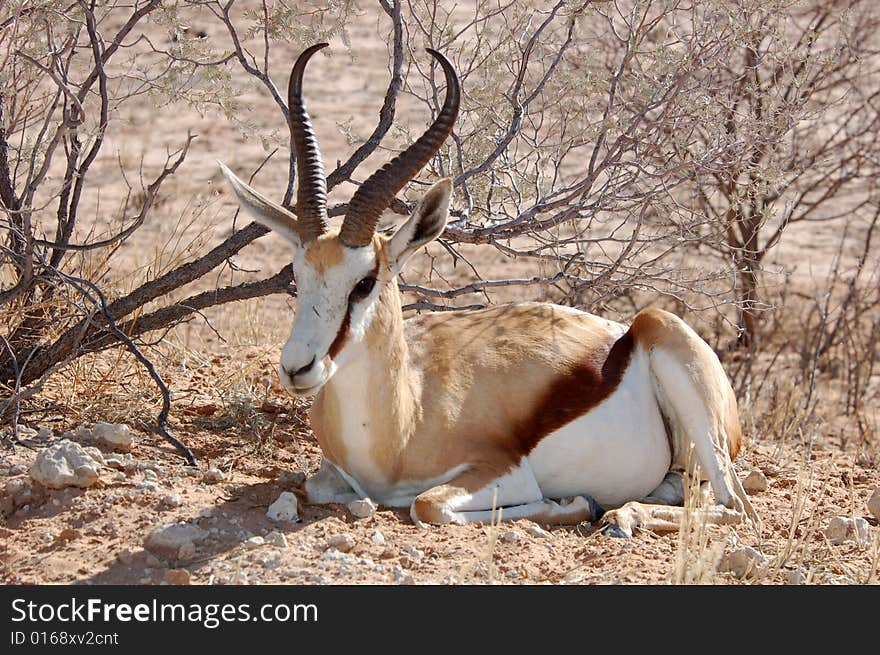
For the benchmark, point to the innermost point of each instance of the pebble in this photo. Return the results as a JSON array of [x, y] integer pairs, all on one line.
[[755, 482], [124, 556], [17, 469], [743, 562], [116, 435], [115, 463], [276, 538], [175, 541], [254, 542], [511, 537], [24, 432], [45, 433], [874, 503], [378, 538], [843, 528], [66, 464], [176, 577], [172, 500], [363, 508], [414, 553], [342, 542], [335, 555], [284, 508], [69, 534], [538, 532], [213, 475]]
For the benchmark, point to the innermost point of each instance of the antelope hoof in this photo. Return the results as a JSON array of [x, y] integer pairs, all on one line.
[[616, 531], [622, 521]]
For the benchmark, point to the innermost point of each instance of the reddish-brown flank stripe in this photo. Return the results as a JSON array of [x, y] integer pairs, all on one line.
[[585, 385]]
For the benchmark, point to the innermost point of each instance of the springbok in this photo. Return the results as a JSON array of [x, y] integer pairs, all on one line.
[[543, 411]]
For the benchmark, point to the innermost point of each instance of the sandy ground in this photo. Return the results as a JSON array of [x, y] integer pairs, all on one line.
[[230, 410], [97, 535]]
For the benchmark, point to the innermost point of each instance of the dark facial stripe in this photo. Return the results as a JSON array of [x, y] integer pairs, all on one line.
[[341, 335], [575, 393]]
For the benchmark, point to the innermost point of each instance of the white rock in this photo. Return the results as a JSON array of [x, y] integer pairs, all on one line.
[[755, 482], [743, 562], [95, 454], [272, 562], [115, 463], [284, 508], [65, 464], [172, 500], [213, 474], [538, 532], [254, 542], [511, 537], [276, 538], [116, 435], [334, 555], [342, 542], [414, 553], [874, 503], [378, 538], [17, 469], [843, 528], [24, 432], [362, 508], [175, 541]]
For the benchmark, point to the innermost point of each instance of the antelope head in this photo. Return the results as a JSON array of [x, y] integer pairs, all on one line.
[[341, 276]]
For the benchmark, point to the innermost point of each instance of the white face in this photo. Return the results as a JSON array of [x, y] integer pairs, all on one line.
[[336, 303], [337, 286]]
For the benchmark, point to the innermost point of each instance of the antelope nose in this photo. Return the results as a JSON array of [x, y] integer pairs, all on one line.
[[302, 369]]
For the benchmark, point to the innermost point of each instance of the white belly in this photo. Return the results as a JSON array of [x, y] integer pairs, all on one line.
[[617, 452]]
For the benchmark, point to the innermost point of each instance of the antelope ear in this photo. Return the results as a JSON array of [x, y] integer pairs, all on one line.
[[425, 224], [263, 210]]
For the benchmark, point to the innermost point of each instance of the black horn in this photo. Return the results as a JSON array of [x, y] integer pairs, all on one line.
[[311, 192], [377, 193]]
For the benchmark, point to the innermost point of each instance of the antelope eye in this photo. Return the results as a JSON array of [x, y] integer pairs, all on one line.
[[362, 288]]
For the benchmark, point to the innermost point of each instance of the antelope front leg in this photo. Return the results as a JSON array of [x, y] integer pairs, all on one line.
[[328, 486], [482, 496]]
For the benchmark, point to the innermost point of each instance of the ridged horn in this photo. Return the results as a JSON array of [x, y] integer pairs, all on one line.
[[311, 191], [377, 193]]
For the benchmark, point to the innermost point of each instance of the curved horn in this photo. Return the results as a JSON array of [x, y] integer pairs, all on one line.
[[311, 192], [377, 193]]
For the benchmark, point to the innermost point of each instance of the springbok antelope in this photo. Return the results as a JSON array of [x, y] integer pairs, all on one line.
[[544, 411]]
